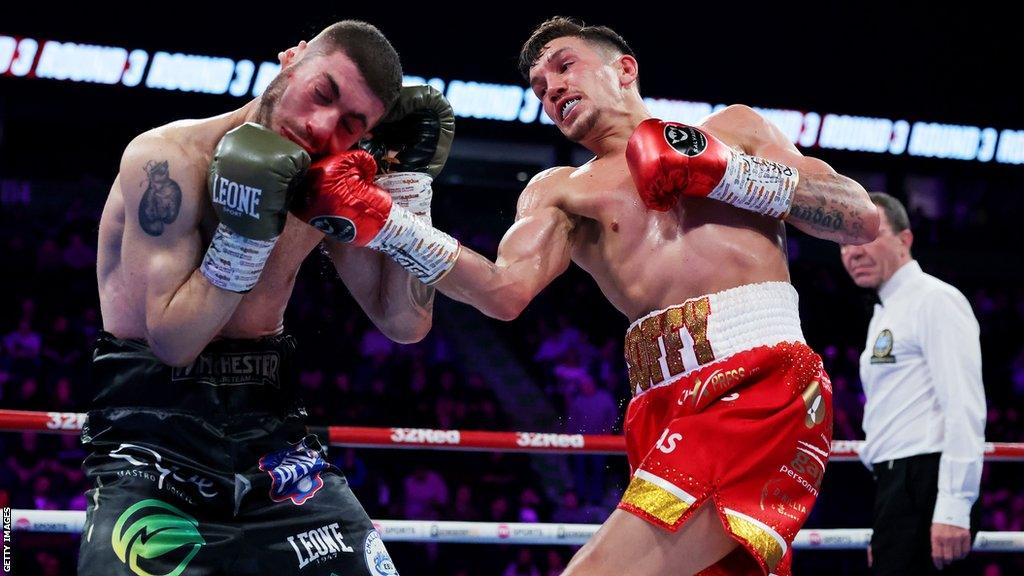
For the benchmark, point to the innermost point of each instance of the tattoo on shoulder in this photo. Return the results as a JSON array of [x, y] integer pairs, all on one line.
[[161, 201], [421, 294]]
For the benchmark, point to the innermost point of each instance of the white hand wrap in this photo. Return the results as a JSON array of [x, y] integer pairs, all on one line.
[[410, 190], [234, 262], [758, 185], [426, 252]]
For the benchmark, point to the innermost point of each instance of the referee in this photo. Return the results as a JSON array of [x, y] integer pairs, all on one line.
[[925, 414]]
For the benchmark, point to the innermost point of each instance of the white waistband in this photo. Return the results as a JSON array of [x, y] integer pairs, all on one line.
[[710, 328]]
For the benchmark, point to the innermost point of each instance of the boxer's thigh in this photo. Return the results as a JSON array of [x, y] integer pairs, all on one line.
[[135, 527]]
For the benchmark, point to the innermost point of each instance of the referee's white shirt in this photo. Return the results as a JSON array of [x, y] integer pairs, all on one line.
[[921, 371]]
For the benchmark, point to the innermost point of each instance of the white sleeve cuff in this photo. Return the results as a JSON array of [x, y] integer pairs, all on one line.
[[953, 510]]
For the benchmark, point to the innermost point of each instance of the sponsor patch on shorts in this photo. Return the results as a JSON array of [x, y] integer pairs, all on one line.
[[295, 471], [378, 561]]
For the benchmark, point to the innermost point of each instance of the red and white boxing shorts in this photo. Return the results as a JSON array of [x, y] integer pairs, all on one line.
[[730, 405]]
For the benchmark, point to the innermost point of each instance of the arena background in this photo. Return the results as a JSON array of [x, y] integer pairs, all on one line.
[[942, 79]]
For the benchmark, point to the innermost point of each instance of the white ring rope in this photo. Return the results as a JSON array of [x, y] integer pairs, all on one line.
[[72, 521]]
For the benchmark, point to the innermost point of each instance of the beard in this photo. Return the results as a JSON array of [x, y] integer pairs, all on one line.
[[268, 101]]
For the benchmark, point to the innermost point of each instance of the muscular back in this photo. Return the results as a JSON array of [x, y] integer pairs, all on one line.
[[645, 260], [157, 223]]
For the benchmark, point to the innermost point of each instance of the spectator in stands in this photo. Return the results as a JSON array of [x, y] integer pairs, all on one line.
[[591, 411], [523, 565]]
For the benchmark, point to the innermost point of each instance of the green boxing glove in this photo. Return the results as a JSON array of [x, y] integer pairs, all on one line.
[[411, 146], [252, 176]]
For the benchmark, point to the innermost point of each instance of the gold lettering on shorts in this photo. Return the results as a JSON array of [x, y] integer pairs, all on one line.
[[642, 355], [644, 343], [633, 360], [673, 321], [651, 329], [695, 316]]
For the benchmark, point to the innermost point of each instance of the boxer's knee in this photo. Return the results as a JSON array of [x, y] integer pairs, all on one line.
[[626, 544]]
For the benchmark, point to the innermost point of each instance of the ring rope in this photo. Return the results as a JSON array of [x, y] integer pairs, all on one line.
[[73, 521], [472, 440]]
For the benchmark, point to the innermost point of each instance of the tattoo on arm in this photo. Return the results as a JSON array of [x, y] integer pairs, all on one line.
[[828, 205], [161, 201], [821, 216]]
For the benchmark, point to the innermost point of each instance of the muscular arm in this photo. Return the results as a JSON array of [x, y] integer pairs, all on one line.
[[826, 204], [163, 192], [397, 303], [534, 251]]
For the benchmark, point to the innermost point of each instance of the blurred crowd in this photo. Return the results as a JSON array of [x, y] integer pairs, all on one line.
[[569, 343]]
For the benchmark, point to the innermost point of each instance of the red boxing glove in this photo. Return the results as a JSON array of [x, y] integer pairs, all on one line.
[[669, 159], [338, 197]]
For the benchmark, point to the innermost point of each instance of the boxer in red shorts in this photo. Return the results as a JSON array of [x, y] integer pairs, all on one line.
[[682, 228], [742, 419]]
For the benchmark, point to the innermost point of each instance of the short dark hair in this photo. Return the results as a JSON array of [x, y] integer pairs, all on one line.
[[373, 55], [895, 212], [559, 27]]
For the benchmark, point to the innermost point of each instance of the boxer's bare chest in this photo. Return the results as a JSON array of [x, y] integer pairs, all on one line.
[[262, 310], [644, 259]]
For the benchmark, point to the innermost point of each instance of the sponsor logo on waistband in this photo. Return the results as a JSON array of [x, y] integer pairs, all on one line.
[[318, 545], [233, 369], [717, 382]]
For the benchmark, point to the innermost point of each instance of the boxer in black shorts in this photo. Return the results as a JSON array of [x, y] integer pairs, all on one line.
[[200, 458], [208, 469]]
